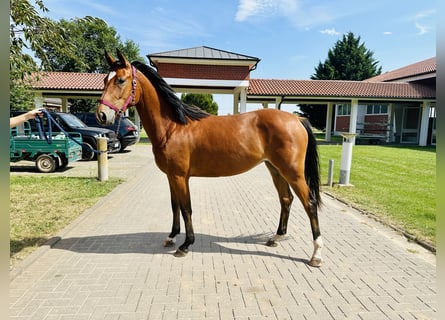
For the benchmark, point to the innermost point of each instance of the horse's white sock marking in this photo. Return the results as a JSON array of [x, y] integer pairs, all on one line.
[[278, 237], [316, 256]]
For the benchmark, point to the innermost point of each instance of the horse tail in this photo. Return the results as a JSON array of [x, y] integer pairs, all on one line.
[[312, 165]]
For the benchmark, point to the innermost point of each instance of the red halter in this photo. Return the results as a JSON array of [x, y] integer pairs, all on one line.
[[129, 99]]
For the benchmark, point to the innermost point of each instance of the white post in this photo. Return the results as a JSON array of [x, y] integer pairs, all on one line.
[[353, 119], [346, 159], [424, 124]]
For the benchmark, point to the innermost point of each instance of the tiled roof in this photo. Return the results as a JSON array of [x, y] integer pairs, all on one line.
[[202, 52], [412, 70], [336, 88], [70, 81]]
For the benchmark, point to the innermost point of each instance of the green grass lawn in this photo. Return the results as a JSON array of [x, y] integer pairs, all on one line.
[[398, 184], [42, 206]]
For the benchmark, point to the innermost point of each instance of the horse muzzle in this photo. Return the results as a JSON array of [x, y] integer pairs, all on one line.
[[104, 115]]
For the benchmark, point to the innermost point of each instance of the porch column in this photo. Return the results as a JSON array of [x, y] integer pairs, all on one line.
[[353, 119], [391, 129], [277, 103], [243, 100], [235, 101], [265, 105], [64, 104], [423, 137], [329, 112]]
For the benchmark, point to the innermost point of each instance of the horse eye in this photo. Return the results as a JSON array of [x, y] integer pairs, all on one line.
[[120, 81]]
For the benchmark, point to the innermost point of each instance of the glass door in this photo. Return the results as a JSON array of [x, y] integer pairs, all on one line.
[[410, 125]]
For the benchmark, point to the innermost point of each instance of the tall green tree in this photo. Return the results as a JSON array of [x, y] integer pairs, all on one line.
[[203, 101], [30, 33], [349, 59], [90, 37]]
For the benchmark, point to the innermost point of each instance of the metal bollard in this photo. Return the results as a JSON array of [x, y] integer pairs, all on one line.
[[102, 159]]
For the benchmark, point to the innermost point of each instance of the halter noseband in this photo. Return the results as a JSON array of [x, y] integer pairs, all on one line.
[[129, 99]]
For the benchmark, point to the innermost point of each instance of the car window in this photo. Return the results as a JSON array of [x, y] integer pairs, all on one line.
[[72, 120]]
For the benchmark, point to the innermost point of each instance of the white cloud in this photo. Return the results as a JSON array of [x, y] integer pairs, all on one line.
[[331, 32], [422, 28], [247, 8], [299, 13], [387, 33], [425, 14]]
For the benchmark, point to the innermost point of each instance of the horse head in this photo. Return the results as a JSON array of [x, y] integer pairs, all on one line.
[[119, 89]]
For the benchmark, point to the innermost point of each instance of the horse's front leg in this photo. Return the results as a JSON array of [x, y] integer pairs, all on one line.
[[176, 226], [180, 187]]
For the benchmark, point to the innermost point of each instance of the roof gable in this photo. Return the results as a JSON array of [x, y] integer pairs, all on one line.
[[202, 52], [418, 70]]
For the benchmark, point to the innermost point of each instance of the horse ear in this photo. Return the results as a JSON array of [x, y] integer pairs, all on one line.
[[110, 59], [121, 57]]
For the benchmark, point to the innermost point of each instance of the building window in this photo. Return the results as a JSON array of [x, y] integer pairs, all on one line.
[[343, 109], [377, 109]]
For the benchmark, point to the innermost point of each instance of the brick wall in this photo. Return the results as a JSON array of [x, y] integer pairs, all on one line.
[[342, 123], [380, 126], [198, 71]]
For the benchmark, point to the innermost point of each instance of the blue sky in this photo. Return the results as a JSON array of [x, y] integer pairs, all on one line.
[[289, 36]]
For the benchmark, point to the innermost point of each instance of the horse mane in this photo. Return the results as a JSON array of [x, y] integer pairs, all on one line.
[[182, 111]]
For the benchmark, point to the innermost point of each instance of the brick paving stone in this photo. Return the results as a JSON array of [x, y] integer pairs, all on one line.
[[110, 263]]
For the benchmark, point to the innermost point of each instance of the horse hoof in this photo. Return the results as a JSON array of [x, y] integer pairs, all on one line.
[[169, 243], [179, 253], [271, 243], [315, 262]]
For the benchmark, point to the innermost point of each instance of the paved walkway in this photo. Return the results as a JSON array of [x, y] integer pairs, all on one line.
[[110, 263]]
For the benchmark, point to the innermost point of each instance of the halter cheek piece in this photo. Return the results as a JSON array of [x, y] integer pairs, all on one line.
[[129, 100]]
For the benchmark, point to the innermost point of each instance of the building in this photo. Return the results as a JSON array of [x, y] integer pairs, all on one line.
[[395, 107]]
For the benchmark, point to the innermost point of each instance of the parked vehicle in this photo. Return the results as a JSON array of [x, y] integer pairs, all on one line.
[[70, 123], [127, 132], [27, 145]]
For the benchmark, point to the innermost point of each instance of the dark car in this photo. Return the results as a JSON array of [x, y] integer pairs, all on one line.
[[128, 133], [70, 123]]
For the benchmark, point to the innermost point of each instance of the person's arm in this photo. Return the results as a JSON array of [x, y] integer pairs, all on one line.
[[17, 120]]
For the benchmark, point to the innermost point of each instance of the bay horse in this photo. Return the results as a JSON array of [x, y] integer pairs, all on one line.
[[187, 141]]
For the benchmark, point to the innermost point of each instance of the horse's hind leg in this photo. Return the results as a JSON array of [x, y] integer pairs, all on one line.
[[286, 198], [301, 189]]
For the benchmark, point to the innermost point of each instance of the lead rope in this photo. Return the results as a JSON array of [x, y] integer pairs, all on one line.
[[48, 137]]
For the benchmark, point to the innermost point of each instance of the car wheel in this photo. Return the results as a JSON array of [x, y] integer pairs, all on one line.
[[87, 152], [45, 163]]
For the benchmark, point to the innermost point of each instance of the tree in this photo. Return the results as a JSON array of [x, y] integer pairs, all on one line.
[[29, 32], [203, 101], [347, 60], [91, 37]]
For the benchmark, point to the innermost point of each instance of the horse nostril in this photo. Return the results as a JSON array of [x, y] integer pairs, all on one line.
[[101, 117]]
